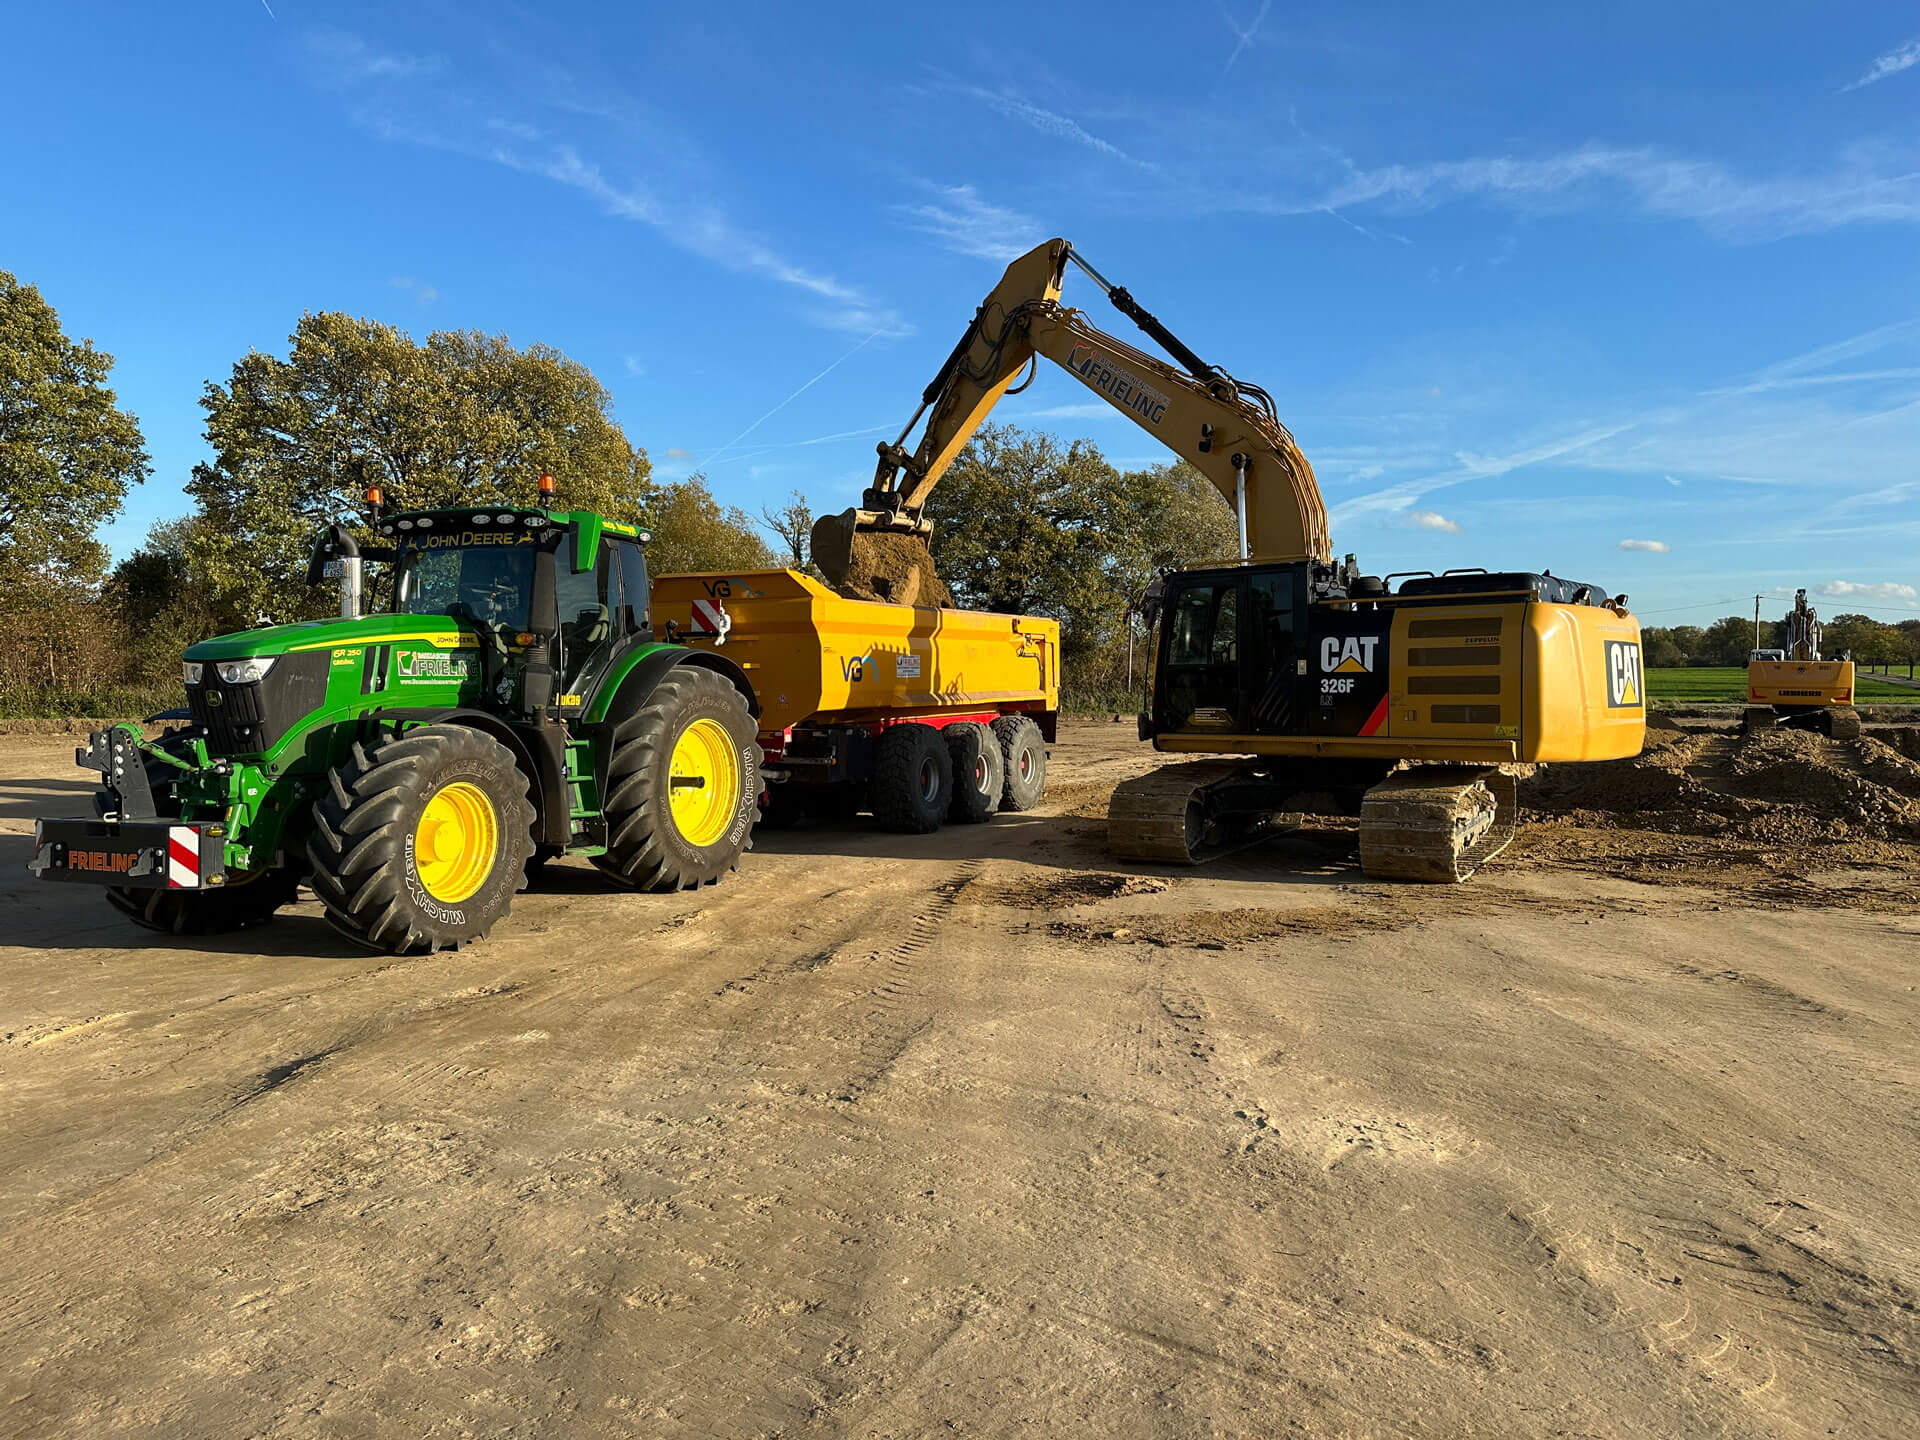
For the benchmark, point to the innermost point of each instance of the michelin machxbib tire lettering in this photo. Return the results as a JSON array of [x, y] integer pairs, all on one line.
[[379, 848], [1025, 753], [912, 784], [683, 784], [979, 772]]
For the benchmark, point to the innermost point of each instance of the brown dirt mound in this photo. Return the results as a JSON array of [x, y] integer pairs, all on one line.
[[868, 565], [1775, 787]]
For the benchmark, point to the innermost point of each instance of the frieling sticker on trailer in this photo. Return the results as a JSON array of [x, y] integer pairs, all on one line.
[[906, 667]]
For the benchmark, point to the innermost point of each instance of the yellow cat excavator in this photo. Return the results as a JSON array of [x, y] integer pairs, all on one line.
[[1337, 692]]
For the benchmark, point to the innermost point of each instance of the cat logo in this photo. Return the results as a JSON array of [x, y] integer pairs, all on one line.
[[1349, 655], [1625, 688]]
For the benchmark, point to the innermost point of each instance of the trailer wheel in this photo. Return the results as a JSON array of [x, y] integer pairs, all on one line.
[[979, 772], [912, 779], [683, 785], [1025, 753], [238, 905], [422, 839]]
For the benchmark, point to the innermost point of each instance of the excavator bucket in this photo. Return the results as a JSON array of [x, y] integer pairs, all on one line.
[[864, 560]]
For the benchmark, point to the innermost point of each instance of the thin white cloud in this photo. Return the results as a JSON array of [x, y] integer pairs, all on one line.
[[1866, 183], [451, 124], [1651, 547], [676, 452], [424, 293], [1468, 466], [1048, 122], [968, 225], [1891, 591], [347, 59], [1091, 411], [1902, 57], [1432, 520], [1244, 37]]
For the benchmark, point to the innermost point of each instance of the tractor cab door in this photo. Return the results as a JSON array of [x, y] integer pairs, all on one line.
[[600, 610]]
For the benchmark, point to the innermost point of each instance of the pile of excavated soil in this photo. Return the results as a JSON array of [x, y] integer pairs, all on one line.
[[1777, 786], [876, 565], [1755, 812]]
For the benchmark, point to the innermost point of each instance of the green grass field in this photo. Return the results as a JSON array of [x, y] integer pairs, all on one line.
[[1727, 685]]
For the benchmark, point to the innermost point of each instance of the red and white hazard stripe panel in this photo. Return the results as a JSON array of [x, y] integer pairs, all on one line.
[[711, 615], [183, 857]]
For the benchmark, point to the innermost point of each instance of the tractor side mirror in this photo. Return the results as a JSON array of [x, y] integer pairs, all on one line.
[[542, 616]]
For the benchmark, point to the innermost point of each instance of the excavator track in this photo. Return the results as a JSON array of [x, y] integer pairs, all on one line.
[[1163, 815], [1843, 722], [1436, 823]]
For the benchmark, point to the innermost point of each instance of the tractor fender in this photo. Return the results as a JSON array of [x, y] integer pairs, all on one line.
[[630, 692], [632, 689], [543, 765]]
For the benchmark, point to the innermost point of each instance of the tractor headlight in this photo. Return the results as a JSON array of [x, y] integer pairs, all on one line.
[[190, 671], [245, 672]]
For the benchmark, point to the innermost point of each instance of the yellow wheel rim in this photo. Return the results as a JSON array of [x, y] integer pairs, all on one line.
[[704, 782], [456, 842]]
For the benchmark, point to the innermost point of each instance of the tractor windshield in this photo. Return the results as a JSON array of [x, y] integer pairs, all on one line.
[[480, 582]]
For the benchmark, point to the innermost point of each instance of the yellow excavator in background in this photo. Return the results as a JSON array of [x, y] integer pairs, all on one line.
[[1340, 694], [1799, 689]]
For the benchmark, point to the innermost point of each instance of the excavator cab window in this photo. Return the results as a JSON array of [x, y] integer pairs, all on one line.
[[1200, 677]]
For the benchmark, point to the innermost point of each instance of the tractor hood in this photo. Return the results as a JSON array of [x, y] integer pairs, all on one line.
[[324, 635]]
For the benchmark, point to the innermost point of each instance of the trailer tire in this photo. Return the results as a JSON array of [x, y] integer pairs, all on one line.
[[235, 906], [912, 779], [1025, 753], [979, 772], [694, 738], [422, 839]]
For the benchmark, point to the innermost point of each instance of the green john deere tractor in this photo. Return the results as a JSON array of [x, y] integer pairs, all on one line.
[[510, 705]]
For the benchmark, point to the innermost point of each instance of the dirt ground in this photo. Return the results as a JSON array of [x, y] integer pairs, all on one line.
[[982, 1133]]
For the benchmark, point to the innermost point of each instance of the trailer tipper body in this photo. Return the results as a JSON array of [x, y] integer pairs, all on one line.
[[921, 715]]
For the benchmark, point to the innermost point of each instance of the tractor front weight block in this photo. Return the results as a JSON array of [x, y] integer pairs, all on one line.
[[131, 854]]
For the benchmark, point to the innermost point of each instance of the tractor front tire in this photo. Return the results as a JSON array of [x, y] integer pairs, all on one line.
[[422, 840], [683, 785], [238, 905], [979, 772], [912, 785], [1025, 751]]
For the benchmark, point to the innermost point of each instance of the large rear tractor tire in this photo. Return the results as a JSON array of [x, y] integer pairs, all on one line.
[[979, 772], [683, 785], [422, 840], [245, 901], [1024, 751], [912, 787]]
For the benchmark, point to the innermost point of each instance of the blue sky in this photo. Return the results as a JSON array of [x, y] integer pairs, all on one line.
[[1529, 286]]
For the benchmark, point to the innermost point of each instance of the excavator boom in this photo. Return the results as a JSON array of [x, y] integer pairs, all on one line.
[[1226, 429]]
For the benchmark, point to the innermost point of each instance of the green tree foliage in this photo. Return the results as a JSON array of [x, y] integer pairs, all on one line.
[[158, 604], [463, 417], [67, 451], [1661, 653], [1025, 525], [67, 455], [1728, 641], [692, 531], [791, 526]]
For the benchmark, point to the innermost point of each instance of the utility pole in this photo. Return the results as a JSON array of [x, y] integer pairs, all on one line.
[[1756, 622]]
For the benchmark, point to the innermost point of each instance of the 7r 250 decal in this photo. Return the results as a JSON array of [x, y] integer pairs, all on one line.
[[1626, 687]]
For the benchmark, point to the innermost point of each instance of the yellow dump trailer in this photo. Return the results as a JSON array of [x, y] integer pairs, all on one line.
[[919, 715]]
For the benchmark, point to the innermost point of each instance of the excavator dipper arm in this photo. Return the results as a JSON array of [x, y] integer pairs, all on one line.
[[1226, 429]]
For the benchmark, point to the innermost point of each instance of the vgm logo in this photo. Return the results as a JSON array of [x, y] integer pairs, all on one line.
[[1624, 685]]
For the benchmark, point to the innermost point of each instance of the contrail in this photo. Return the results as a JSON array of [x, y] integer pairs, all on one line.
[[788, 401], [269, 9]]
